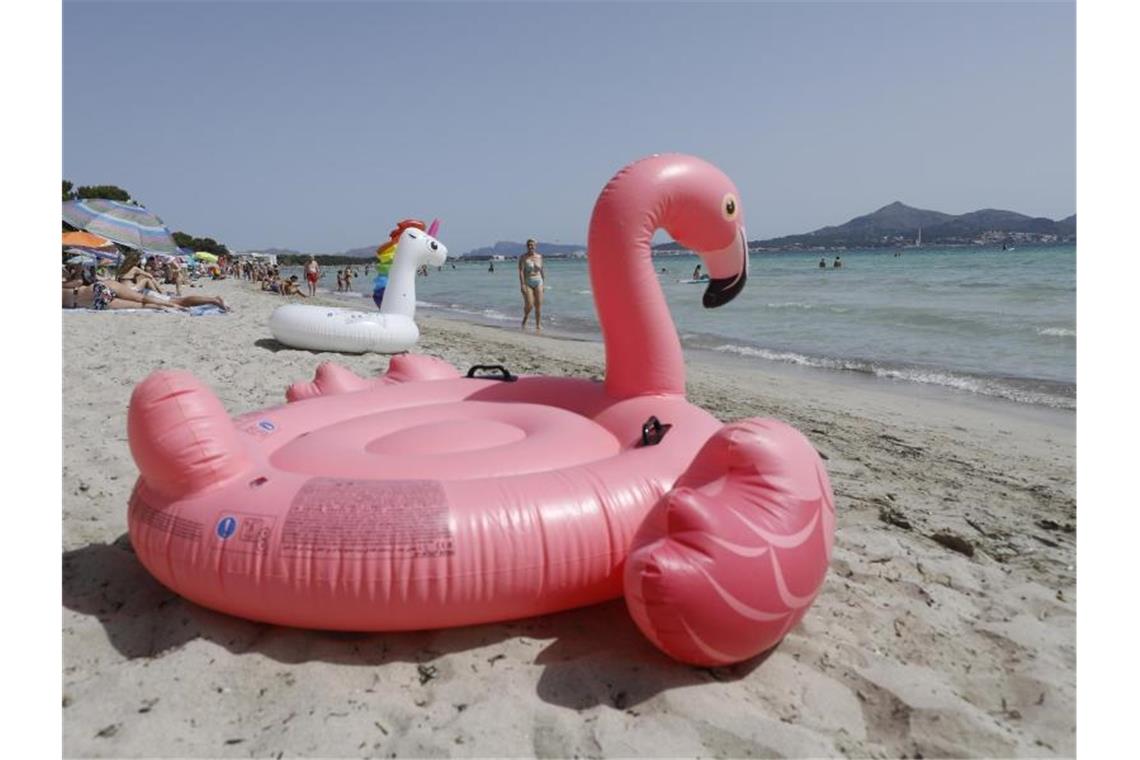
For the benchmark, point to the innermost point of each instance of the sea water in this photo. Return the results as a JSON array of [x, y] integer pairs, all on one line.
[[980, 320]]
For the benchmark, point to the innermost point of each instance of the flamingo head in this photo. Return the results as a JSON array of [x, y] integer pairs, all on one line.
[[423, 248], [705, 216]]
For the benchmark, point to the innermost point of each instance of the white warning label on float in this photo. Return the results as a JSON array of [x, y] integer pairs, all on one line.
[[334, 516], [244, 533]]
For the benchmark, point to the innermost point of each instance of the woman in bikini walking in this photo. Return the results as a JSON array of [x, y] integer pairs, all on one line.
[[531, 276]]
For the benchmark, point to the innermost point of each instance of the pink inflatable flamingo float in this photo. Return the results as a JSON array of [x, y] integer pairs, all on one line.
[[426, 499]]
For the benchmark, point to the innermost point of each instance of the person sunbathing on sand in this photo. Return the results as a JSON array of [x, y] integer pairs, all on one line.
[[109, 294], [102, 295], [130, 272], [174, 275], [291, 288]]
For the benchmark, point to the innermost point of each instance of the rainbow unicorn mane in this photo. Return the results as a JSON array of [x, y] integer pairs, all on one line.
[[387, 251], [386, 254]]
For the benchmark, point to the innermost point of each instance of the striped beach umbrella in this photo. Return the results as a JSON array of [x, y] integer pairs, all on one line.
[[81, 257], [110, 255], [127, 224]]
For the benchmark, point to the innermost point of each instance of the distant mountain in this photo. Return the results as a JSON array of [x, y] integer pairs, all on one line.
[[1069, 225], [501, 248], [898, 224], [367, 252], [897, 218], [279, 251], [511, 249], [977, 222]]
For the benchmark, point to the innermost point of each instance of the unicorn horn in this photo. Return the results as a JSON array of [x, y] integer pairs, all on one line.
[[434, 228]]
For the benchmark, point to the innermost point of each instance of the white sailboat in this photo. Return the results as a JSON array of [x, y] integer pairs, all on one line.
[[917, 241]]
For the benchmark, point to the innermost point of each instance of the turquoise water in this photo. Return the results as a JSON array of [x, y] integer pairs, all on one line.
[[979, 320]]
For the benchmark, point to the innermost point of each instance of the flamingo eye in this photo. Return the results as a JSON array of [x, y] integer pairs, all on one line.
[[728, 206]]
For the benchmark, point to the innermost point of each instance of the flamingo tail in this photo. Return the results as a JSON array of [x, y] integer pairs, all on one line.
[[181, 436], [732, 557]]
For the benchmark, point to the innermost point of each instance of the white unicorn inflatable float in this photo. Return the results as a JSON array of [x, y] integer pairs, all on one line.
[[393, 329]]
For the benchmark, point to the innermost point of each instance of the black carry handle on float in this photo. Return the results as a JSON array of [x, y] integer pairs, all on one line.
[[504, 373], [653, 431]]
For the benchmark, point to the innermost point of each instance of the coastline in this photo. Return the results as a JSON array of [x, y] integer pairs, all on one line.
[[946, 625], [995, 403], [1024, 376]]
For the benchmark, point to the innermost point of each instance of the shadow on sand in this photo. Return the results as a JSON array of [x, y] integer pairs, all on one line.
[[269, 344], [596, 654]]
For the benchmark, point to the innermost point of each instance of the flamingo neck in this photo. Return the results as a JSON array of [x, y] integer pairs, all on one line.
[[400, 295], [643, 352]]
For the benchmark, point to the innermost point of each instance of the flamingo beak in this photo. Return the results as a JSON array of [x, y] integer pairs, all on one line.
[[721, 290]]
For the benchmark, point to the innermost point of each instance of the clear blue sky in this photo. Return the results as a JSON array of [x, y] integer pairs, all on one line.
[[315, 126]]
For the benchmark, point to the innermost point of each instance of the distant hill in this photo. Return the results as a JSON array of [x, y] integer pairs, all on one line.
[[894, 225], [1069, 225], [897, 218], [355, 253], [898, 224], [279, 251], [513, 249], [502, 248], [367, 252]]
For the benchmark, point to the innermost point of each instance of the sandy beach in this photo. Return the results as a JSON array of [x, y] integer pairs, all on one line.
[[946, 626]]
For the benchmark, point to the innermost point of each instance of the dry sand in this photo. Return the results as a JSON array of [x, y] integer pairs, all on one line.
[[915, 647]]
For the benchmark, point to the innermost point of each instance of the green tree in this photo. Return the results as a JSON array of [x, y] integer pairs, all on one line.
[[110, 192], [209, 245], [67, 194]]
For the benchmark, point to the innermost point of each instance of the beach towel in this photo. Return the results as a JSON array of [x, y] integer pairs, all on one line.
[[205, 310]]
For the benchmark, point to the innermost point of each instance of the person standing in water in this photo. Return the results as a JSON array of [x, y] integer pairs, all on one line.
[[531, 276], [312, 274], [837, 263], [822, 263]]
